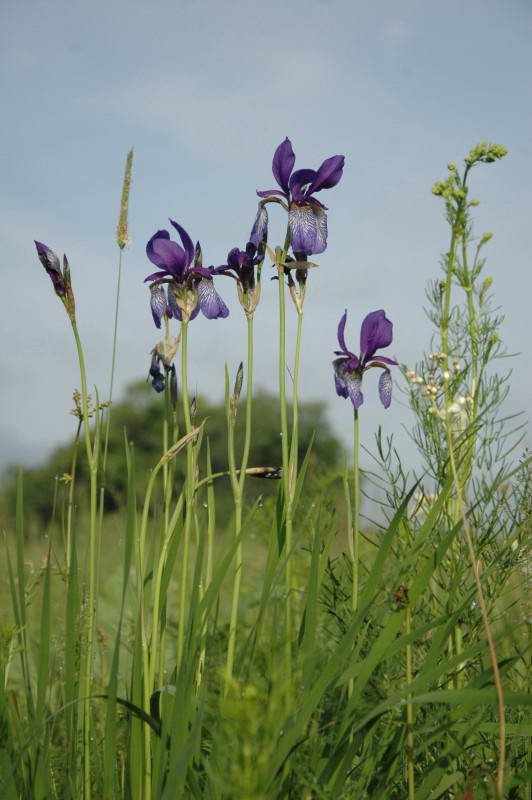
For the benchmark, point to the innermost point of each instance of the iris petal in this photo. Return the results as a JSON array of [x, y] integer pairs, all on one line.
[[353, 383], [385, 388], [328, 174], [260, 227], [283, 163], [210, 301], [158, 304], [187, 242], [376, 332], [308, 228]]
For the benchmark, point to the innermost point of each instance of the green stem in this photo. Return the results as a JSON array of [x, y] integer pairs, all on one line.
[[70, 506], [189, 493], [356, 512], [285, 457], [93, 549], [238, 494], [294, 442]]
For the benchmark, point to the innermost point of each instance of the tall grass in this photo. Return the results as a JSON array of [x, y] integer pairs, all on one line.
[[302, 652]]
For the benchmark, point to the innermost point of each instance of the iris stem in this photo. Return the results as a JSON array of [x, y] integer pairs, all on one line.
[[238, 485], [189, 492], [93, 550], [70, 507], [285, 457], [356, 512]]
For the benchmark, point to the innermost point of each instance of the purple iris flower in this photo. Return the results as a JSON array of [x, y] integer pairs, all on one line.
[[307, 219], [376, 332], [190, 285]]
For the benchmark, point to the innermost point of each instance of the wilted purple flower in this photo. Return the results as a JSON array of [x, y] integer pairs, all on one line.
[[190, 285], [157, 377], [375, 332], [60, 278], [306, 215], [241, 266]]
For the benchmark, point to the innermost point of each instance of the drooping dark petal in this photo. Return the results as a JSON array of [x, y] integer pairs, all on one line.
[[328, 174], [308, 227], [259, 231], [186, 240], [158, 382], [385, 388], [300, 178], [51, 263], [209, 300], [376, 332], [283, 164], [158, 304], [172, 304], [339, 382], [157, 377]]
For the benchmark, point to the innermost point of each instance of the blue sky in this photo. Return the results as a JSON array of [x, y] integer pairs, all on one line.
[[205, 91]]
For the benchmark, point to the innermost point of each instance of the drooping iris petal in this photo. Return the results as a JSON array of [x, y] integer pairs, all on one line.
[[353, 382], [308, 229], [157, 382], [259, 231], [186, 240], [385, 388], [339, 382], [172, 304], [158, 304], [210, 301], [283, 164], [376, 332], [328, 174]]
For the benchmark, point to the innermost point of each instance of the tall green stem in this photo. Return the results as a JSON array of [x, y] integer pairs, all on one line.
[[70, 507], [285, 456], [294, 442], [356, 512], [189, 493], [92, 459]]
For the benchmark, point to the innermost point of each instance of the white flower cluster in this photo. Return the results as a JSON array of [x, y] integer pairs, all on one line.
[[433, 388]]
